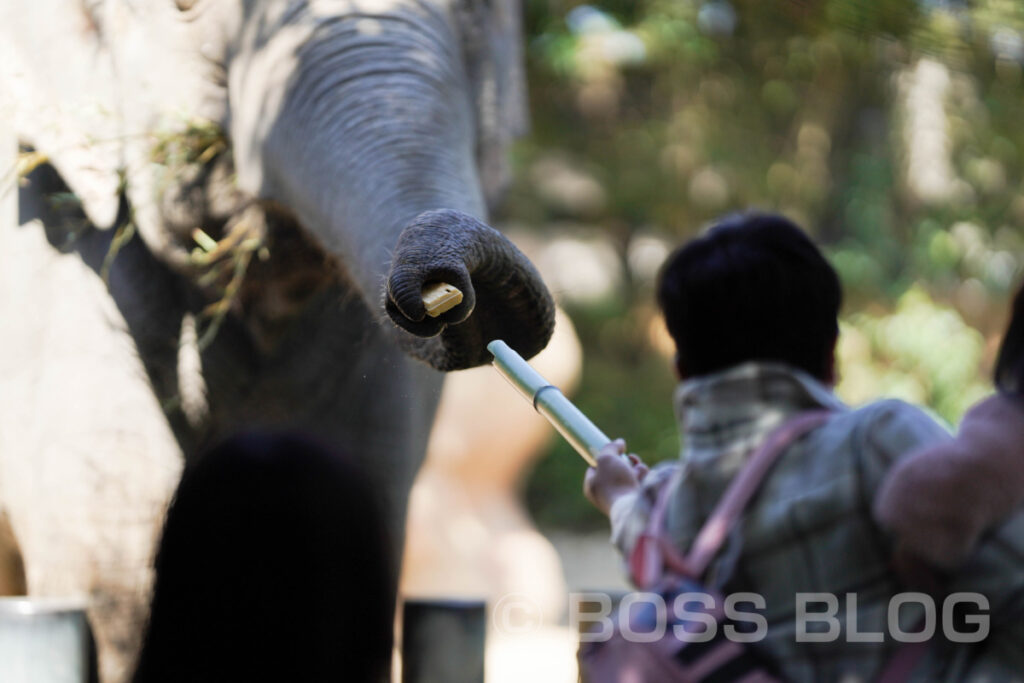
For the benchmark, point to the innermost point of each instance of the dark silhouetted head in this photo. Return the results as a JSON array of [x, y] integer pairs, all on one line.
[[1009, 374], [752, 288], [273, 566]]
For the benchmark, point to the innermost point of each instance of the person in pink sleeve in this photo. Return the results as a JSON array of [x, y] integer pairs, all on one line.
[[942, 500]]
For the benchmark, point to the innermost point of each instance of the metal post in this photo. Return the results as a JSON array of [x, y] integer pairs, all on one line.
[[45, 640], [443, 641]]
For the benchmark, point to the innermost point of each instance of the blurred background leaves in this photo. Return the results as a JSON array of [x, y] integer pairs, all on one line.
[[890, 130]]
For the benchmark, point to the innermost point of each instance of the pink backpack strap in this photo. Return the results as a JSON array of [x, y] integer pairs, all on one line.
[[654, 550]]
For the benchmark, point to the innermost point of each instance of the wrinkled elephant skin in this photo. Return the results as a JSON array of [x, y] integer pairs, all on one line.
[[337, 155]]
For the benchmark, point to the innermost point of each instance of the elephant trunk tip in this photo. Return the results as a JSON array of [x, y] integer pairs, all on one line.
[[443, 254]]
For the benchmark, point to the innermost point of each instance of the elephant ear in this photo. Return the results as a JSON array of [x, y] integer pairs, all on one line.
[[492, 47], [58, 79]]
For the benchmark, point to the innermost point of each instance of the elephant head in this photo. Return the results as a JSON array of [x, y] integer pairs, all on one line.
[[368, 131], [378, 124]]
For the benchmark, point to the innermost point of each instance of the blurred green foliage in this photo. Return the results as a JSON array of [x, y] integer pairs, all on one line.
[[921, 352], [889, 129]]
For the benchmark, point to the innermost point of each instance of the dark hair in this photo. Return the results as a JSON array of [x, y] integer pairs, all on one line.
[[273, 566], [1009, 373], [753, 287]]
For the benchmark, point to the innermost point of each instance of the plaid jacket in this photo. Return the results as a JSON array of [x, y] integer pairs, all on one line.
[[810, 527]]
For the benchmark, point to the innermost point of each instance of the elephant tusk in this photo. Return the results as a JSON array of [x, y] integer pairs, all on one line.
[[440, 297]]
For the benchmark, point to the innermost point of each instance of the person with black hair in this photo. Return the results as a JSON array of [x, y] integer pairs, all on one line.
[[752, 306], [941, 501], [754, 288], [1009, 372], [273, 566]]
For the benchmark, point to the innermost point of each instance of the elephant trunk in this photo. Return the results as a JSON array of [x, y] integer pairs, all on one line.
[[504, 296], [372, 127]]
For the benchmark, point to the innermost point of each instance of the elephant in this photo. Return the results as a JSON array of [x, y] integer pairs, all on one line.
[[225, 216]]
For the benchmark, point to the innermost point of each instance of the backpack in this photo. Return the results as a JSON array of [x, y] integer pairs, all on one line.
[[697, 645], [679, 633]]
